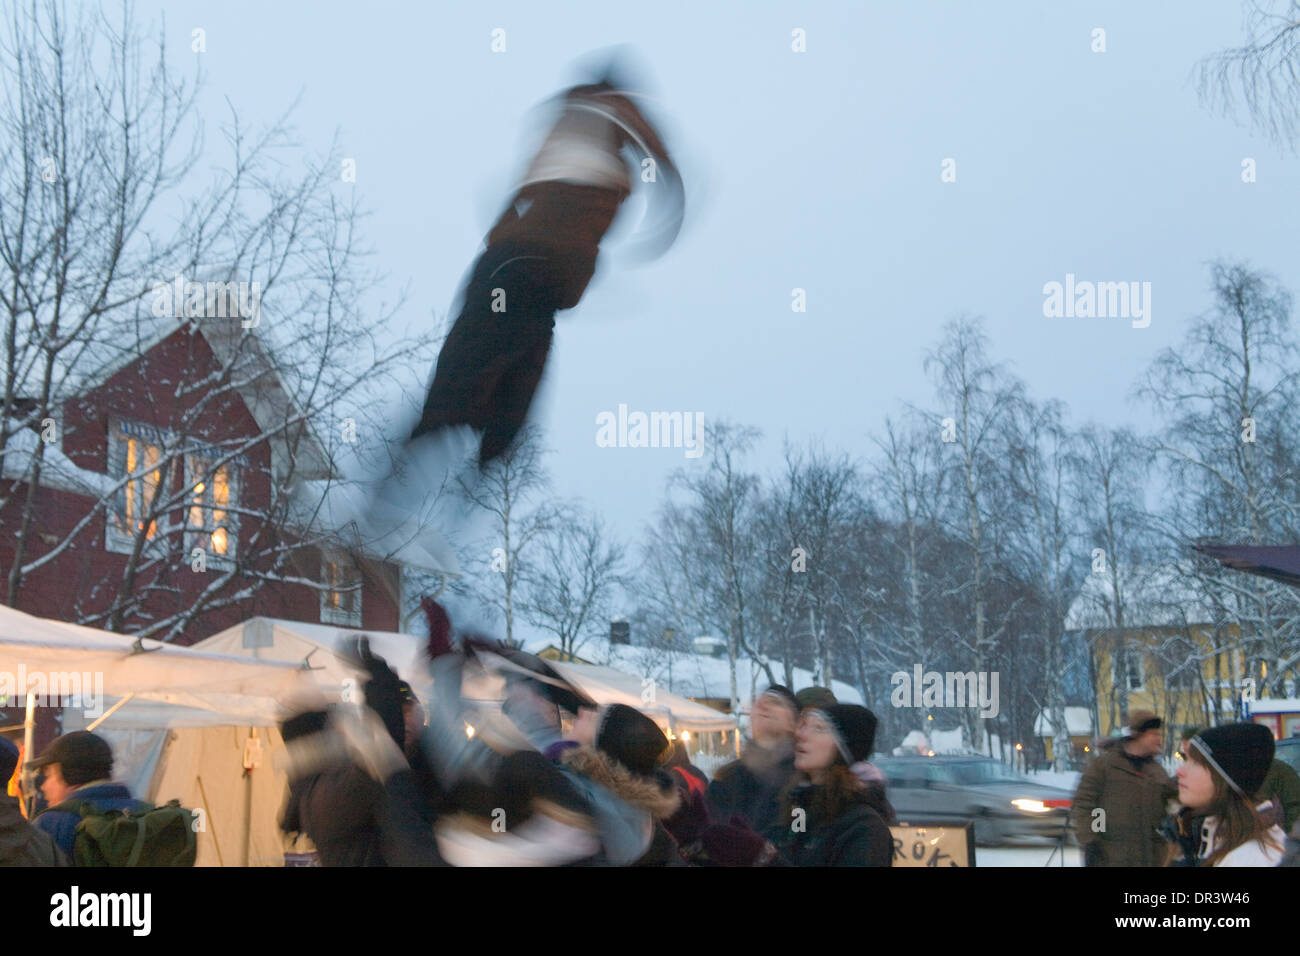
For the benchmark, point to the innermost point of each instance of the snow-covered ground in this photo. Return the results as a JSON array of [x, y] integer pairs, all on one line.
[[1026, 856]]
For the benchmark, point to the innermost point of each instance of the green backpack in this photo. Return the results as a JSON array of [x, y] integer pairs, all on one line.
[[147, 836]]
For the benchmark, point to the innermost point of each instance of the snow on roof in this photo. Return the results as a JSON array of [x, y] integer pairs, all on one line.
[[57, 470], [1078, 723], [700, 676], [1155, 595]]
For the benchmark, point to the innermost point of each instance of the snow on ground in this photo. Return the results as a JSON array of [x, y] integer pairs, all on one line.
[[1027, 856]]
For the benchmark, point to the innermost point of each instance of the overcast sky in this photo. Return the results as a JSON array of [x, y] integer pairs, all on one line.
[[819, 170]]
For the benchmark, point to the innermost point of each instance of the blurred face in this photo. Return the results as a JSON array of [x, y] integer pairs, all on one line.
[[770, 721], [814, 747], [55, 788], [1148, 744], [584, 727], [1195, 785]]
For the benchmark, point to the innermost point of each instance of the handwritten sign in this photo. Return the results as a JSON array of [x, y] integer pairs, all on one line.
[[950, 843]]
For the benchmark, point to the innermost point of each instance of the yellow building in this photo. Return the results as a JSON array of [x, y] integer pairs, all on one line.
[[1179, 664]]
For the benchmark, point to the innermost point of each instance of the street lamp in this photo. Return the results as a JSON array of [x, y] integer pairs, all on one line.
[[669, 634]]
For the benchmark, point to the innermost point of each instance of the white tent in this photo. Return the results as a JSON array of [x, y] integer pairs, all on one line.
[[179, 720], [608, 686]]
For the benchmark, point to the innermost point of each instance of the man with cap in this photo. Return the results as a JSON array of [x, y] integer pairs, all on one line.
[[750, 788], [21, 844], [78, 767], [1120, 802]]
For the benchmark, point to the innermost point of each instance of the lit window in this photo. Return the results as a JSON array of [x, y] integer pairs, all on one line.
[[209, 521], [341, 597], [134, 453]]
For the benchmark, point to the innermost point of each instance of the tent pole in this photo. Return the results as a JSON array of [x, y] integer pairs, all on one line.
[[109, 713], [29, 775]]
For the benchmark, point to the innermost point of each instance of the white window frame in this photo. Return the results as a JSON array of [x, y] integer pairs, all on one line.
[[120, 453], [202, 535], [340, 605], [1136, 668]]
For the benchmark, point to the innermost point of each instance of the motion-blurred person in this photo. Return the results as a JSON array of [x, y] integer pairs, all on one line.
[[1226, 766], [1130, 789], [750, 788], [618, 764], [21, 844], [828, 817], [540, 256]]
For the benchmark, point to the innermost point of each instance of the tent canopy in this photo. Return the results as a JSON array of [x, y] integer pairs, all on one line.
[[58, 659], [609, 686]]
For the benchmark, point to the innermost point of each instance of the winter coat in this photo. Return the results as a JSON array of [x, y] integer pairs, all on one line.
[[857, 836], [1282, 788], [629, 810], [1250, 853], [22, 844], [1133, 796], [62, 824], [751, 787]]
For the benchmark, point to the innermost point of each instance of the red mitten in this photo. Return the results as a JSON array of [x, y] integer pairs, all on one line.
[[439, 628]]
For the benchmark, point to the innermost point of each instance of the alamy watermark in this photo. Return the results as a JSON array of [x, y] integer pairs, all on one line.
[[81, 689], [931, 689], [1098, 300], [651, 430], [189, 299]]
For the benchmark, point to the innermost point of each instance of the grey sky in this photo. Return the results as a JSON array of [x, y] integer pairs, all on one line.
[[818, 170]]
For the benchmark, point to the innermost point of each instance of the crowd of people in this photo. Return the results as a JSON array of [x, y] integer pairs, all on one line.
[[388, 783], [1231, 803]]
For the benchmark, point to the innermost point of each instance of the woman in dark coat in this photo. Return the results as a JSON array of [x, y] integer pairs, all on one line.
[[829, 818]]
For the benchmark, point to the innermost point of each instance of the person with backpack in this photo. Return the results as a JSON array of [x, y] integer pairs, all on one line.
[[95, 821]]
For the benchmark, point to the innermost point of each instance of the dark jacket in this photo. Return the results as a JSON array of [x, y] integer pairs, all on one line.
[[1282, 788], [751, 787], [1133, 795], [21, 843], [62, 825], [650, 800], [340, 809], [857, 836]]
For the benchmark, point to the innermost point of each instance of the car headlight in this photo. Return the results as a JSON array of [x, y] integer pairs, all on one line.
[[1031, 806]]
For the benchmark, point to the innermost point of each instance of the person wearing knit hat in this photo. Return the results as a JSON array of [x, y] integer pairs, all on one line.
[[21, 844], [829, 818], [750, 788], [1226, 766], [815, 697], [617, 766]]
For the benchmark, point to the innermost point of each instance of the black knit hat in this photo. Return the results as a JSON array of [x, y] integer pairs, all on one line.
[[631, 738], [854, 728], [8, 759], [815, 697], [1241, 753]]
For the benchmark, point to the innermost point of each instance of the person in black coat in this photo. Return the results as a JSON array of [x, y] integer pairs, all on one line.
[[750, 788], [829, 818]]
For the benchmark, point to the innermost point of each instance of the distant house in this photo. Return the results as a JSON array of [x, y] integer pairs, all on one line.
[[1181, 657], [117, 426]]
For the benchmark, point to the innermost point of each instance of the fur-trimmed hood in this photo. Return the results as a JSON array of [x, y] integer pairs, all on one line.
[[659, 798]]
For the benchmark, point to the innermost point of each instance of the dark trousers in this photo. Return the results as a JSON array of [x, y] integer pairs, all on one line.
[[536, 263]]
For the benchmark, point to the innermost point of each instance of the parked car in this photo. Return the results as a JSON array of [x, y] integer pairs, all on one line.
[[1005, 806]]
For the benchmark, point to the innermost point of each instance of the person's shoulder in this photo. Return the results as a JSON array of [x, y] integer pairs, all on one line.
[[1257, 852]]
